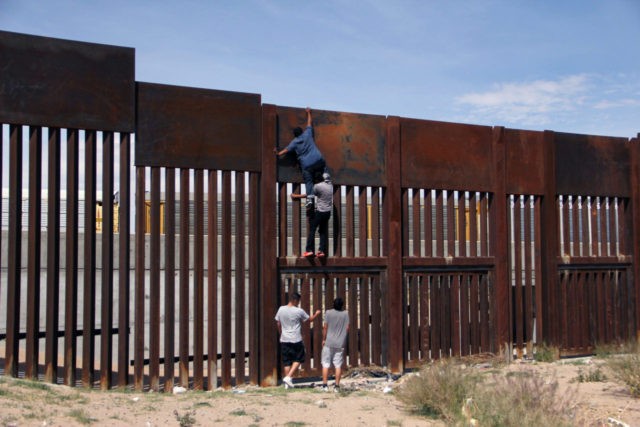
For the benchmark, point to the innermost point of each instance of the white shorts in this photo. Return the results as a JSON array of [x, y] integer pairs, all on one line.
[[332, 354]]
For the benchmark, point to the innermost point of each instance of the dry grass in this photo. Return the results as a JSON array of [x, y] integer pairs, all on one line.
[[622, 361], [458, 393], [439, 389]]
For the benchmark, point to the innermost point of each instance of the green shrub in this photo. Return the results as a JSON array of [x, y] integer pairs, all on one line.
[[545, 353]]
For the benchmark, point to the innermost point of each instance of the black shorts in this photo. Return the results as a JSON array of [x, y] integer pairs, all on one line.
[[292, 352]]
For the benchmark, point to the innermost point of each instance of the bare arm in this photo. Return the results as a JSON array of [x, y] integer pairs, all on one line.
[[314, 315], [281, 152], [308, 116], [279, 327], [298, 196], [325, 327]]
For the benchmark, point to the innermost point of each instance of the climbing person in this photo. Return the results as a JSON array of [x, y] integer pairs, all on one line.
[[309, 156], [319, 217]]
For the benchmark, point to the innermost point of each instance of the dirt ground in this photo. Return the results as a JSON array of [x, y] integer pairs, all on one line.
[[366, 400]]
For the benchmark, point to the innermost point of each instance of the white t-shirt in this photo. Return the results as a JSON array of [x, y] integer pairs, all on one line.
[[291, 318]]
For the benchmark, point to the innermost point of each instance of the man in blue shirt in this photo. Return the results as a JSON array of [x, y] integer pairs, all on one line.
[[309, 157]]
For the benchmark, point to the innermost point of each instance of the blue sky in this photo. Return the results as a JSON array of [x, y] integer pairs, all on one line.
[[564, 65]]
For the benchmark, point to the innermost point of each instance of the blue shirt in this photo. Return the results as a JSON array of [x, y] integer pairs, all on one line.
[[305, 148]]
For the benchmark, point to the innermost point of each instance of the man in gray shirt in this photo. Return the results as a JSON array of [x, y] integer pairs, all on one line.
[[289, 318], [319, 219], [334, 336]]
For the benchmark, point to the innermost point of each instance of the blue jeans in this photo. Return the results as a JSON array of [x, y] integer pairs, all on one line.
[[319, 221], [309, 172]]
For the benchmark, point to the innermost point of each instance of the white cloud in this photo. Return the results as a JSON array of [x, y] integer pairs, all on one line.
[[529, 102], [571, 99]]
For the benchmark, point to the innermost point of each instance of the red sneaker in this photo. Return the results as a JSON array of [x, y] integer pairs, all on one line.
[[307, 254], [320, 254]]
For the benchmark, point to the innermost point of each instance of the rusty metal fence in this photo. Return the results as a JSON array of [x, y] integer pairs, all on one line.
[[446, 239]]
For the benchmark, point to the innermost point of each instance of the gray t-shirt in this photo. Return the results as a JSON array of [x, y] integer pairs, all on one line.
[[337, 324], [291, 319], [324, 196]]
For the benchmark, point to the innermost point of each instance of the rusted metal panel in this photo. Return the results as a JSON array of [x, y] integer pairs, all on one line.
[[197, 128], [352, 145], [198, 285], [106, 338], [139, 300], [124, 260], [53, 257], [592, 165], [71, 260], [550, 248], [226, 317], [183, 363], [89, 296], [634, 149], [63, 83], [169, 277], [15, 250], [499, 243], [269, 252], [524, 153], [442, 155], [240, 273], [254, 277], [33, 263], [154, 285], [464, 315], [394, 244], [212, 282]]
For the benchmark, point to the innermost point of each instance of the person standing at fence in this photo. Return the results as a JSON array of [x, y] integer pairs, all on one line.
[[334, 336], [319, 216], [309, 156], [290, 318]]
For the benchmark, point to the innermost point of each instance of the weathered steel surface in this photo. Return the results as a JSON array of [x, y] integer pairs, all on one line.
[[592, 165], [124, 259], [197, 128], [33, 263], [352, 145], [139, 294], [268, 268], [212, 281], [14, 249], [524, 161], [170, 278], [63, 83], [71, 260], [198, 291], [154, 285], [106, 338], [89, 295], [53, 257], [441, 155], [393, 305], [499, 244]]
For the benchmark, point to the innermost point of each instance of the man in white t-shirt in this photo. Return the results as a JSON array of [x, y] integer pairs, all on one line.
[[290, 318]]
